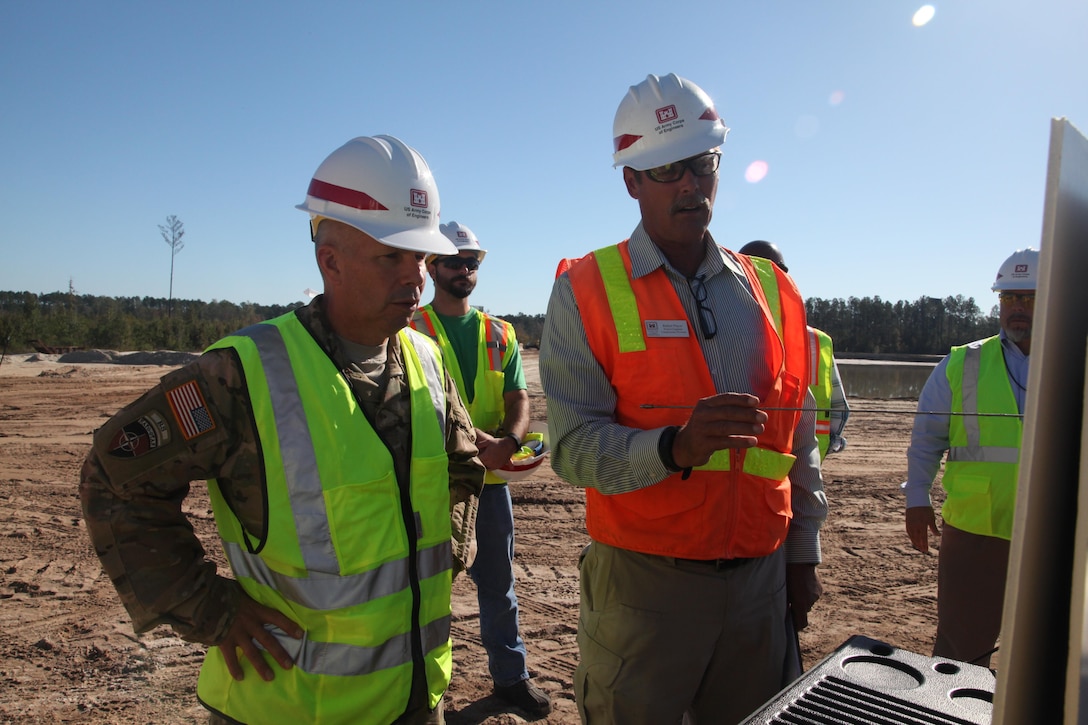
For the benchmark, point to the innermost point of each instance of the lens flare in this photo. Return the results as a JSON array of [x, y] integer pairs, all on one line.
[[756, 172], [923, 15], [836, 98]]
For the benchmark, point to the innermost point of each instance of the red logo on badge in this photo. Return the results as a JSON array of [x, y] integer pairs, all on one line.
[[668, 113], [419, 197]]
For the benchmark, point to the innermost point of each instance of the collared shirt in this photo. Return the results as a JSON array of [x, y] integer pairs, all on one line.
[[929, 437], [591, 450]]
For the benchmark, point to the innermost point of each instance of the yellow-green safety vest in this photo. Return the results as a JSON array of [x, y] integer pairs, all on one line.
[[820, 354], [496, 345], [984, 454], [360, 560]]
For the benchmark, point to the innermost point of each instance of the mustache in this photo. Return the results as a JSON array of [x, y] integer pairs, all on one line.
[[692, 201]]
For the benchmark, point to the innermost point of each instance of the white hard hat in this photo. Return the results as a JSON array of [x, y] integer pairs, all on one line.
[[383, 187], [522, 468], [663, 120], [1019, 271], [463, 238]]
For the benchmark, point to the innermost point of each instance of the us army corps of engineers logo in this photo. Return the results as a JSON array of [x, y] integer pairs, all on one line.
[[141, 436]]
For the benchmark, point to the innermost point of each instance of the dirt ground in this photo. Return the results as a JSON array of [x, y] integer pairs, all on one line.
[[68, 653]]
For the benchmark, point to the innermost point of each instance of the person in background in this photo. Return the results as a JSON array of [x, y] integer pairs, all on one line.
[[984, 386], [832, 410], [676, 399], [481, 354], [334, 446]]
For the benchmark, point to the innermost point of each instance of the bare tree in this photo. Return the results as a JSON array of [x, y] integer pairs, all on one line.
[[172, 233]]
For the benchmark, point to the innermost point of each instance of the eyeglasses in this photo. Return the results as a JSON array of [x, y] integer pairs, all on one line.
[[701, 165], [1017, 298], [455, 262], [707, 322]]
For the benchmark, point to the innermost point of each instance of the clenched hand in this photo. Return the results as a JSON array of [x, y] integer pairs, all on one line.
[[728, 420], [248, 629]]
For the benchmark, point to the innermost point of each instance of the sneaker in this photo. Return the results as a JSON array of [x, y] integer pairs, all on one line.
[[527, 696]]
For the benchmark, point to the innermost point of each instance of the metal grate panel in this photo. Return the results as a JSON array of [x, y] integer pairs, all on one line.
[[834, 701], [867, 682]]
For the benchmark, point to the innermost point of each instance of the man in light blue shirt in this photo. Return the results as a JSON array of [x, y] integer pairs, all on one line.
[[972, 407]]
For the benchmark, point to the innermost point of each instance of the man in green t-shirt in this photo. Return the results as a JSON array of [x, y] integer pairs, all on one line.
[[482, 356]]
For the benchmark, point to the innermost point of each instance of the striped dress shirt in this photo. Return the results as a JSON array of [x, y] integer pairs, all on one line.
[[590, 450]]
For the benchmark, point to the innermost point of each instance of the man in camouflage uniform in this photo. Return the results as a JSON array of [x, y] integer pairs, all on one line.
[[203, 422]]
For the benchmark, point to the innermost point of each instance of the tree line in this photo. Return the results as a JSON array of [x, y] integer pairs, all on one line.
[[929, 325], [869, 325], [67, 320]]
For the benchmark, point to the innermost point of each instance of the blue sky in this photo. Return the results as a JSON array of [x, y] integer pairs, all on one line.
[[902, 161]]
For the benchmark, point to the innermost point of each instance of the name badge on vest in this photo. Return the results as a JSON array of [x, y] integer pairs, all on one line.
[[667, 328]]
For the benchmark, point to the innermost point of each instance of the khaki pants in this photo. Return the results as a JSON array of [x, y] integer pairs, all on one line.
[[971, 575], [661, 638]]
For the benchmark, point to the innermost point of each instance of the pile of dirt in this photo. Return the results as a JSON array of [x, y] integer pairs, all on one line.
[[158, 357], [155, 357], [87, 356]]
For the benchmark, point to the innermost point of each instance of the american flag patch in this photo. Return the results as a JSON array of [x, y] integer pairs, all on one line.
[[190, 410]]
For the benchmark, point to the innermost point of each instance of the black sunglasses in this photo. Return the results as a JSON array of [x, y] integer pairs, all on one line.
[[457, 262], [701, 165]]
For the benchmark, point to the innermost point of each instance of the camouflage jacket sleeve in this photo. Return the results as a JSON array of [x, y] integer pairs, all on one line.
[[466, 478], [196, 424]]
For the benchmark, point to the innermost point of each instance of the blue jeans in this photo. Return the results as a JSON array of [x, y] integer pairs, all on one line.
[[493, 572]]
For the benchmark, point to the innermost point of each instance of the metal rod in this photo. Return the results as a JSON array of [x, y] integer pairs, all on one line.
[[860, 410]]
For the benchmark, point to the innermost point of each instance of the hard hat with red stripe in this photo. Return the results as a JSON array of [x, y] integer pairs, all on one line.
[[381, 186], [664, 120]]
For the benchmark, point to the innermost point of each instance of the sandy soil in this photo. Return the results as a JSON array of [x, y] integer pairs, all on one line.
[[68, 653]]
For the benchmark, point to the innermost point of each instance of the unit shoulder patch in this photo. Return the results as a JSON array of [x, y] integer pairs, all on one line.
[[141, 436]]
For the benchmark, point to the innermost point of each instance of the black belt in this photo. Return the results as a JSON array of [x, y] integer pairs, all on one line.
[[719, 564]]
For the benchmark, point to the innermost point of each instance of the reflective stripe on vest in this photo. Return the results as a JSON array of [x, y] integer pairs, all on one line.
[[323, 591], [496, 343], [769, 282], [621, 299], [747, 492], [356, 607], [757, 462], [980, 476], [346, 660]]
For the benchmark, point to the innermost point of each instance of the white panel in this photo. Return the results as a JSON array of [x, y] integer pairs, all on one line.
[[1039, 607]]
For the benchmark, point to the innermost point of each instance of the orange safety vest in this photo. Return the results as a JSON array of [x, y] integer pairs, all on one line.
[[738, 504]]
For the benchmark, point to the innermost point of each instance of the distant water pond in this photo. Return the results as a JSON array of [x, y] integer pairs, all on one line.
[[884, 379]]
